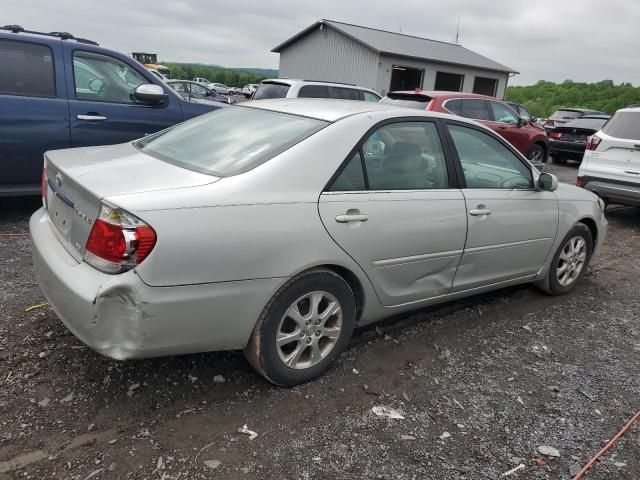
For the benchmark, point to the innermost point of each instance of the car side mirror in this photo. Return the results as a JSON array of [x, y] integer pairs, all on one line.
[[150, 93], [547, 182], [522, 121]]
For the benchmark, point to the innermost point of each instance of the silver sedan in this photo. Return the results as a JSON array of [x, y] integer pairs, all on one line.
[[278, 226]]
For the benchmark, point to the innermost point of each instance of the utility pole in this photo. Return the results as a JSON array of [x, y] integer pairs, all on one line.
[[458, 29]]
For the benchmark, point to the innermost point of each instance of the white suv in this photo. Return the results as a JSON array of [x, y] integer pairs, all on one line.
[[611, 163], [287, 88]]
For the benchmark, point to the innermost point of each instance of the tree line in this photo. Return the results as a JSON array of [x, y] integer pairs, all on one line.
[[215, 74], [543, 98]]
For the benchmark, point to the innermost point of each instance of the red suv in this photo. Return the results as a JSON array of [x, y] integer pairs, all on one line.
[[527, 137]]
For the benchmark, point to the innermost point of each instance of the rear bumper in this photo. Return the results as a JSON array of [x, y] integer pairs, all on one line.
[[121, 317], [624, 193], [572, 150]]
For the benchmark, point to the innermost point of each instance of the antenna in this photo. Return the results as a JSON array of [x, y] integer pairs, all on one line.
[[458, 29]]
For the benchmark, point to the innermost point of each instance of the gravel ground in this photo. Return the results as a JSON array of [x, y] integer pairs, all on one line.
[[481, 384]]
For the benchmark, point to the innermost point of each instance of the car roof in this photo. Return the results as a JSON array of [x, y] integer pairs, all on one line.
[[295, 81], [630, 109], [331, 110], [442, 94]]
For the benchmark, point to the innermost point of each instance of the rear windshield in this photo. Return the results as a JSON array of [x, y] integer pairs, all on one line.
[[565, 115], [624, 125], [271, 90], [230, 140], [402, 100], [586, 123]]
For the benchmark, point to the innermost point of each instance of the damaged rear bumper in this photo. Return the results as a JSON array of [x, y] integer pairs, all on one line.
[[121, 317]]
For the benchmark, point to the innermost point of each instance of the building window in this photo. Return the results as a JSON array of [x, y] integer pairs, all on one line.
[[449, 82], [485, 86]]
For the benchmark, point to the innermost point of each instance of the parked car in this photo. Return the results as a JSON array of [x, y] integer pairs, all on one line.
[[530, 139], [220, 88], [522, 111], [565, 115], [569, 140], [249, 89], [166, 259], [195, 90], [611, 163], [202, 81], [57, 91], [288, 88]]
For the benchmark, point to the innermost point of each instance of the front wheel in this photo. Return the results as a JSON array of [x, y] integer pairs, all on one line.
[[570, 261], [304, 328], [536, 154]]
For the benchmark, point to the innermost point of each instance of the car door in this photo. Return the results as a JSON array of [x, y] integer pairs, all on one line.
[[393, 209], [511, 225], [507, 124], [34, 116], [101, 104]]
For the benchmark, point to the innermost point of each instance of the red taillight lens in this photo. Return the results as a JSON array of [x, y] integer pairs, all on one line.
[[118, 241], [580, 182], [593, 141], [556, 134]]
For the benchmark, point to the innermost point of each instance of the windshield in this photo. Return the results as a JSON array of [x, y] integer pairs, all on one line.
[[271, 90], [229, 141], [594, 124], [624, 125], [407, 100]]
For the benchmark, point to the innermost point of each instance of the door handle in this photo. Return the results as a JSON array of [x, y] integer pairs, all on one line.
[[632, 172], [352, 217], [91, 118], [476, 212]]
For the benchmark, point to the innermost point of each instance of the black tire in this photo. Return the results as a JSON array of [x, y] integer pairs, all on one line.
[[262, 352], [551, 284], [536, 153]]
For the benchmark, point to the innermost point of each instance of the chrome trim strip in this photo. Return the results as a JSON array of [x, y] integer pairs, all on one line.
[[498, 246], [415, 258], [57, 191]]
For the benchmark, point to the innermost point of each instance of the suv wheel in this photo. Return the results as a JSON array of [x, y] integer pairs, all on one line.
[[304, 328], [536, 154]]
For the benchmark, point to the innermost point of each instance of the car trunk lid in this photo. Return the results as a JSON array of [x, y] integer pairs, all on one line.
[[78, 179]]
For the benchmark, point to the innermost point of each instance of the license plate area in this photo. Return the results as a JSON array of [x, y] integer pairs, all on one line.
[[60, 212]]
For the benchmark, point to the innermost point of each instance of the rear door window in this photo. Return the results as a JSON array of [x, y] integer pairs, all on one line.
[[476, 109], [345, 93], [314, 91], [624, 125], [26, 69], [271, 90]]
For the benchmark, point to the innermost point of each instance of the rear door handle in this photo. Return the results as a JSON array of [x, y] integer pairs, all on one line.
[[632, 172], [354, 217], [91, 118], [476, 212]]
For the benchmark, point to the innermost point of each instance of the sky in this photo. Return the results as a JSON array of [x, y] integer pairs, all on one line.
[[581, 40]]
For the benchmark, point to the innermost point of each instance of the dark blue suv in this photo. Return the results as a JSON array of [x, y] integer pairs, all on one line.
[[57, 91]]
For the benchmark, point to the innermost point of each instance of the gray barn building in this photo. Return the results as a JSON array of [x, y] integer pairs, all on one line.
[[386, 61]]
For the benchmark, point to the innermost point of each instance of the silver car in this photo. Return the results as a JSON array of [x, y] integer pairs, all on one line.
[[278, 226]]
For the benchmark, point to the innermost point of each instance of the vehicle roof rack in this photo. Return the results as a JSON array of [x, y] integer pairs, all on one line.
[[60, 35]]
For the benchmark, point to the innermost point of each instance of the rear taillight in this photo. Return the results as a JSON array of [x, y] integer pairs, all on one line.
[[549, 123], [118, 241], [556, 134], [580, 181], [593, 141]]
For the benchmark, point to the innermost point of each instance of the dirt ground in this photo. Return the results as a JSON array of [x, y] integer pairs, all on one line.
[[481, 384]]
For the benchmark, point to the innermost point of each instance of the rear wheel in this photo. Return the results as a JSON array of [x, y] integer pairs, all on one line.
[[570, 261], [303, 329], [536, 154]]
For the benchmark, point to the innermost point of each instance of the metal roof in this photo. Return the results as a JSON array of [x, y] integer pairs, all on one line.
[[399, 44]]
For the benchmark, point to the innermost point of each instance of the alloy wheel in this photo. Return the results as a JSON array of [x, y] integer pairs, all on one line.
[[571, 261], [309, 330]]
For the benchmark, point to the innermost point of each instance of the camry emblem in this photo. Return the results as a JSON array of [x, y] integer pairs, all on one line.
[[58, 180]]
